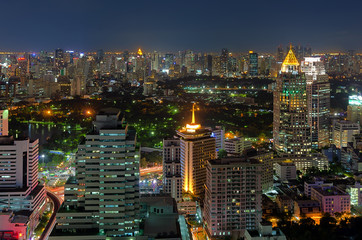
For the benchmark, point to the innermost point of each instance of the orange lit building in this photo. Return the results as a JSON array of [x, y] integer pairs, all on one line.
[[197, 148]]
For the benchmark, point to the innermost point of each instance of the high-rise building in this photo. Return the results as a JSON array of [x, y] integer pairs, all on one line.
[[197, 148], [172, 181], [343, 132], [20, 191], [224, 59], [318, 98], [253, 64], [4, 122], [233, 196], [103, 198], [291, 130], [354, 109]]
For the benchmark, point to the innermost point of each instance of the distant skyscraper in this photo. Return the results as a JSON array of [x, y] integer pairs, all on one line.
[[253, 64], [103, 198], [280, 54], [224, 59], [197, 148], [233, 196], [172, 181], [291, 131], [59, 58], [318, 98]]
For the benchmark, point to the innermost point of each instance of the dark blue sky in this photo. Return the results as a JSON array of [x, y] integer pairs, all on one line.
[[261, 25]]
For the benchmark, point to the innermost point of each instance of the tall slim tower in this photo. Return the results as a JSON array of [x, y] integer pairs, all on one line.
[[291, 130], [318, 95], [172, 181], [197, 148], [253, 64]]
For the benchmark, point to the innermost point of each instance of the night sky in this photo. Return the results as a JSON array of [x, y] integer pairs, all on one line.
[[260, 25]]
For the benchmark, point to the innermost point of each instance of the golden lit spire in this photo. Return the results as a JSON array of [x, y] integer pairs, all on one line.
[[290, 60], [193, 126], [193, 114], [139, 52]]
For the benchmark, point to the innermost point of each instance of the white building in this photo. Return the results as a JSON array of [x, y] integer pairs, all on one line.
[[236, 145]]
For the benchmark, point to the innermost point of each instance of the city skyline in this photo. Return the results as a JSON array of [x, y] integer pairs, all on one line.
[[165, 26]]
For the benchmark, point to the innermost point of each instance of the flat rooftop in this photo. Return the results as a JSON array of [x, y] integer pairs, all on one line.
[[330, 191]]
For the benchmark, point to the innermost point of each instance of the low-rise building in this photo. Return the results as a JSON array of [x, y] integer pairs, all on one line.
[[332, 199], [308, 185], [14, 226], [265, 231], [236, 145], [286, 171], [307, 208]]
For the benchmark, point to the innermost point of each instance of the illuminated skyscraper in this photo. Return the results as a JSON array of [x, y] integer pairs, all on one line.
[[224, 58], [318, 97], [253, 64], [197, 148], [291, 130], [103, 198]]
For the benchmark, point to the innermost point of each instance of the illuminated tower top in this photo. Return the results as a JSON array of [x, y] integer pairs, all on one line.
[[290, 63], [139, 52], [191, 128]]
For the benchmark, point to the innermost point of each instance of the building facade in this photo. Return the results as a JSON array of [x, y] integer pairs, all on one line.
[[197, 148], [172, 181], [343, 132], [318, 98], [291, 131], [233, 196], [104, 196]]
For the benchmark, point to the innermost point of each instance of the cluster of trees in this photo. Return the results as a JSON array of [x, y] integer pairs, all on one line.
[[347, 228]]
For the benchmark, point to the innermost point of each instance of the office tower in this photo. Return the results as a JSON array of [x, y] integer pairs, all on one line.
[[253, 64], [20, 192], [100, 55], [233, 196], [4, 122], [209, 64], [280, 54], [343, 132], [318, 98], [237, 145], [103, 197], [59, 58], [197, 147], [224, 59], [172, 181], [354, 109], [291, 131]]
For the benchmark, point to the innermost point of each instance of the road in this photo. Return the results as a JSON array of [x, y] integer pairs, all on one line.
[[58, 191], [144, 171], [49, 227]]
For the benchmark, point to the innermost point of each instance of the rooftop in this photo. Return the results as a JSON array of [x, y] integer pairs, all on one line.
[[329, 191]]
